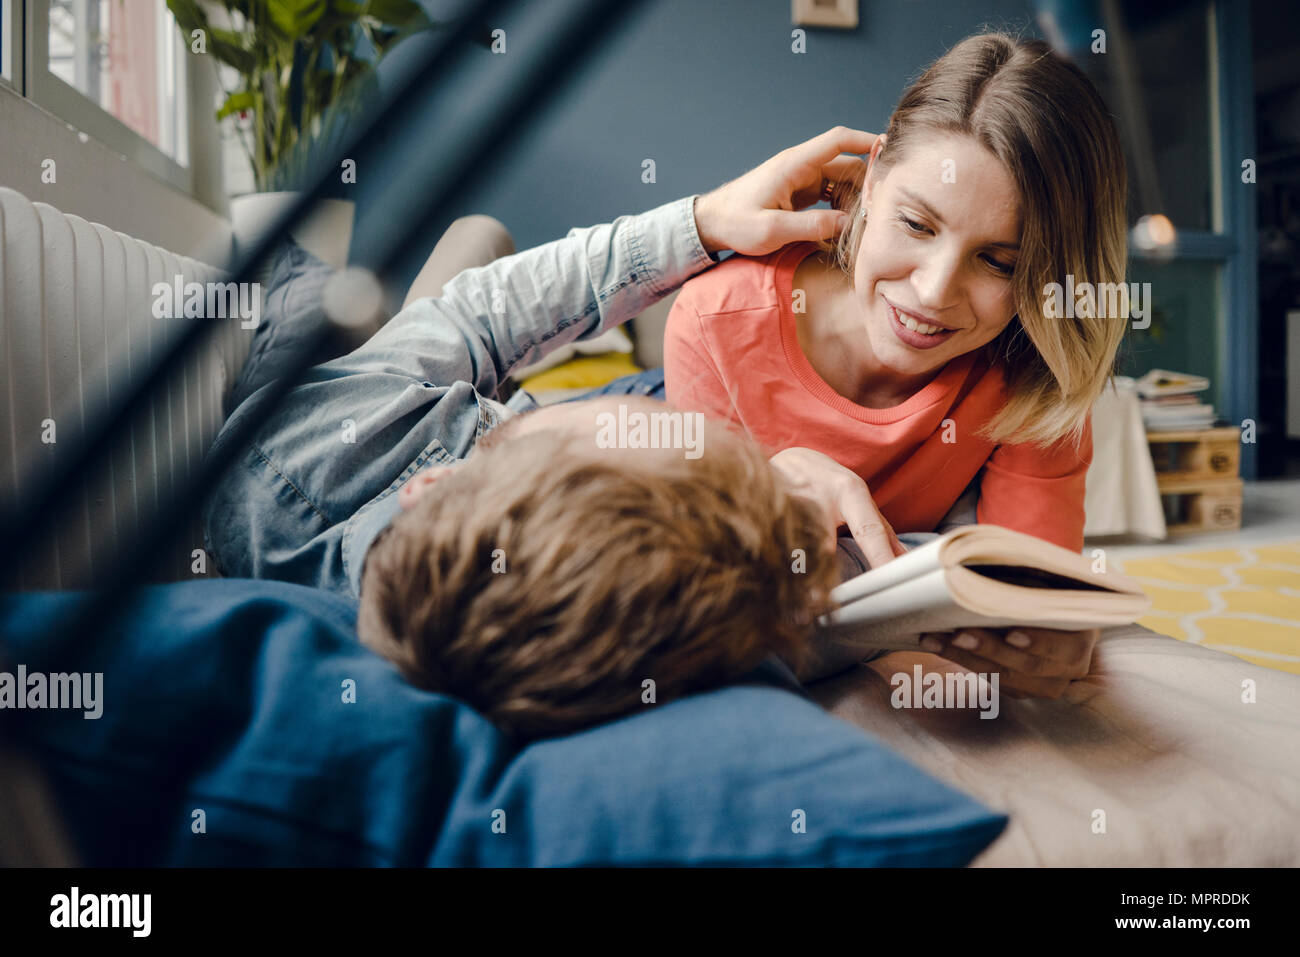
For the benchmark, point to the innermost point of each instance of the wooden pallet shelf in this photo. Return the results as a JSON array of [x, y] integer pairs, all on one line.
[[1203, 454], [1197, 474], [1192, 506]]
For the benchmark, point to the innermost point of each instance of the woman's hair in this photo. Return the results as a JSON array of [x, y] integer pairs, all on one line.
[[1047, 124], [544, 580]]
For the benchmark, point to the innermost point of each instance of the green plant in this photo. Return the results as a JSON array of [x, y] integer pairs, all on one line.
[[295, 59]]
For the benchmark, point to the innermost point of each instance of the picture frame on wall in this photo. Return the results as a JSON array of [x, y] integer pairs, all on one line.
[[838, 14]]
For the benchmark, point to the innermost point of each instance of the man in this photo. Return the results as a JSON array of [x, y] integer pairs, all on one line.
[[511, 560]]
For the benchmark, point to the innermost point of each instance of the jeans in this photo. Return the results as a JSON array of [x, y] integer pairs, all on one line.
[[649, 383]]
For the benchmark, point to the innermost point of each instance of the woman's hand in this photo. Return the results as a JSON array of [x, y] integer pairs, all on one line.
[[758, 213], [1030, 662], [843, 496]]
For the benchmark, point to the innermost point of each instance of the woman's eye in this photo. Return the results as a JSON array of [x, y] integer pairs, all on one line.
[[1004, 269], [912, 224]]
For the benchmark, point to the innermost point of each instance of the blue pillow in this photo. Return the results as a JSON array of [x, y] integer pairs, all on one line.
[[228, 698]]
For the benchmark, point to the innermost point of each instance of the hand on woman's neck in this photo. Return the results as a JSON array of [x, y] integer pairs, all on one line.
[[833, 336]]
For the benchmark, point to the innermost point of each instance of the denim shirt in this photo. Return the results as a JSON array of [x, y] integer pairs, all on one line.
[[317, 485]]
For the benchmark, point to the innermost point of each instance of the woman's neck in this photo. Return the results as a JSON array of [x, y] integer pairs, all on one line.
[[833, 336]]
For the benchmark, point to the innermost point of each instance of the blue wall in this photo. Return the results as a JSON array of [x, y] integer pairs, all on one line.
[[710, 88], [706, 89]]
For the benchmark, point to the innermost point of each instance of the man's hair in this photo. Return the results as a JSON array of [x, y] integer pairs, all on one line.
[[543, 580]]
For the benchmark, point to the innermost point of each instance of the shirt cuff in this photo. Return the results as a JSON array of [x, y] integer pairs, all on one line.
[[664, 246], [695, 234]]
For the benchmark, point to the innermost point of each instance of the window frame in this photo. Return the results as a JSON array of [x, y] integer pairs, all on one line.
[[1233, 83], [11, 52], [73, 107], [1228, 242]]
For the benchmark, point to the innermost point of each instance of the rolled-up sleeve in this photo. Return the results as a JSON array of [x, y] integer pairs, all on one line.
[[493, 319], [307, 499]]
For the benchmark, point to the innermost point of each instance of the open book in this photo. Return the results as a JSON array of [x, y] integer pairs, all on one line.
[[980, 576]]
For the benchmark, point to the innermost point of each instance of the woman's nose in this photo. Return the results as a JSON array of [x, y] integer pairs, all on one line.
[[937, 280]]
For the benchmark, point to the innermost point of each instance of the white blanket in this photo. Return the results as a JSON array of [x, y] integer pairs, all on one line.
[[1123, 496], [1158, 740]]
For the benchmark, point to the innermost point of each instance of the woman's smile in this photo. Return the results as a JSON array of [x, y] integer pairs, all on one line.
[[915, 333]]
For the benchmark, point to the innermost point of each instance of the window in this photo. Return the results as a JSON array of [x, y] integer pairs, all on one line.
[[10, 20], [1186, 328], [1177, 76], [1168, 114], [115, 70]]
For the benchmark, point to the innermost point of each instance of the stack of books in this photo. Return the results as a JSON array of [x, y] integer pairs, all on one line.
[[1170, 403]]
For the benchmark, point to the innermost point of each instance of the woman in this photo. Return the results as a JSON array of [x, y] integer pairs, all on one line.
[[914, 356]]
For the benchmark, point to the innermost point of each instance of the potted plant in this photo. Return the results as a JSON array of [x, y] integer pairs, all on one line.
[[299, 65]]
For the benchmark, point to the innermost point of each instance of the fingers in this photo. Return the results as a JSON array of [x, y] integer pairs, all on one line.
[[867, 526], [1019, 669], [1071, 650], [842, 494], [845, 169], [989, 645], [1009, 679], [806, 226], [1068, 649], [846, 172], [824, 147]]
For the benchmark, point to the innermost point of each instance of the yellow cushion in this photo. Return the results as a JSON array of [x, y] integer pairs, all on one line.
[[584, 372]]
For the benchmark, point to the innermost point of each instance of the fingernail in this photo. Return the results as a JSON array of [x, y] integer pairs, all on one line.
[[1018, 639], [967, 641], [931, 644]]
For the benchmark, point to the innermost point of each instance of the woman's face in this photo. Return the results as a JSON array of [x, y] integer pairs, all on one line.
[[940, 243]]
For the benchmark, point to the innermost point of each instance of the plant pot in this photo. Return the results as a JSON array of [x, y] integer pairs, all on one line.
[[326, 233]]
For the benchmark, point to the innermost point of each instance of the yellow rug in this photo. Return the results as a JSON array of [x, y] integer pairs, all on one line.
[[1245, 601]]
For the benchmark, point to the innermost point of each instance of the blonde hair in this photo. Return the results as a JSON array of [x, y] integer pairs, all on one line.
[[1047, 124], [543, 580]]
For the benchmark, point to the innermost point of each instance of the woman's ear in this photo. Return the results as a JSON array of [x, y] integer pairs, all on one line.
[[869, 181]]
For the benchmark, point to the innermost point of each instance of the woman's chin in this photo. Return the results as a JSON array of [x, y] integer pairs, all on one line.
[[899, 359]]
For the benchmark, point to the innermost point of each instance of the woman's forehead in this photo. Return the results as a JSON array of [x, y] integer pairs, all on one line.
[[953, 179]]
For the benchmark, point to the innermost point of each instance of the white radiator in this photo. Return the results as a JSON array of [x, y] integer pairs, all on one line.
[[77, 323]]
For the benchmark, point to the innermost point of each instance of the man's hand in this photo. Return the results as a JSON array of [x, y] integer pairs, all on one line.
[[1030, 662], [759, 212], [843, 498]]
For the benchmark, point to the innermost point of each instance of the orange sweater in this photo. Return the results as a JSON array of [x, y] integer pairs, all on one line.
[[731, 351]]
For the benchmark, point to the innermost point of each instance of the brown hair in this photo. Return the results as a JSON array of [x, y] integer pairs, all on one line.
[[1047, 124], [544, 579]]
